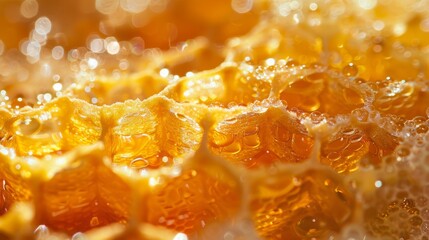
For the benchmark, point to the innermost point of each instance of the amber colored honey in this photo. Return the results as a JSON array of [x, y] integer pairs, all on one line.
[[238, 119]]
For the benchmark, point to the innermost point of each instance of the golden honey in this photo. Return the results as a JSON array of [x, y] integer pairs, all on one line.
[[231, 119]]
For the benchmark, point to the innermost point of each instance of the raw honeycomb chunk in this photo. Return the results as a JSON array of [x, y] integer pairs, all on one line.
[[229, 119]]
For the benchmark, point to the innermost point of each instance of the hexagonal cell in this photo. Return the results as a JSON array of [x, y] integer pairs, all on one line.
[[194, 199], [353, 147], [84, 194], [149, 134], [14, 188], [261, 135], [288, 204], [402, 98], [59, 126], [224, 86], [325, 91], [204, 191]]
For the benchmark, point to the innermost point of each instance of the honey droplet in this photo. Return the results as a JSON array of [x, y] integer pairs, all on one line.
[[139, 163], [281, 134], [230, 120], [350, 70], [233, 148], [310, 104], [221, 140], [94, 222], [360, 114], [311, 226], [334, 156], [181, 117], [403, 151], [337, 144], [422, 129], [28, 126], [252, 141]]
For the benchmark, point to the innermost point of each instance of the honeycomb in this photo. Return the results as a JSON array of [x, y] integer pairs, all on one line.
[[218, 119]]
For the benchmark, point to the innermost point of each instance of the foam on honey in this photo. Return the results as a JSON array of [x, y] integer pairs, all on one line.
[[238, 120]]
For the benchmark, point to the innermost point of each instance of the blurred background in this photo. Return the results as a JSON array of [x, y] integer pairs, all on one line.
[[159, 23], [48, 44]]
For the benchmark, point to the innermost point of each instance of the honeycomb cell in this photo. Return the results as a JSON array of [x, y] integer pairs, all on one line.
[[193, 200], [323, 92], [59, 126], [206, 192], [14, 188], [345, 150], [85, 194], [148, 134], [264, 134], [404, 99], [241, 119], [309, 204], [224, 86]]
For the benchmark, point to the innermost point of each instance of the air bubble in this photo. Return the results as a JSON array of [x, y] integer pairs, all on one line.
[[43, 26], [221, 140], [230, 120], [29, 8], [139, 163], [112, 46], [350, 70], [106, 6], [96, 45], [181, 117], [242, 6], [94, 222], [334, 156], [403, 151], [233, 148], [180, 236], [57, 87], [164, 72], [360, 114], [378, 184], [252, 141], [316, 117], [78, 236], [134, 6], [41, 232], [57, 52], [367, 4], [92, 63], [422, 129], [356, 138]]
